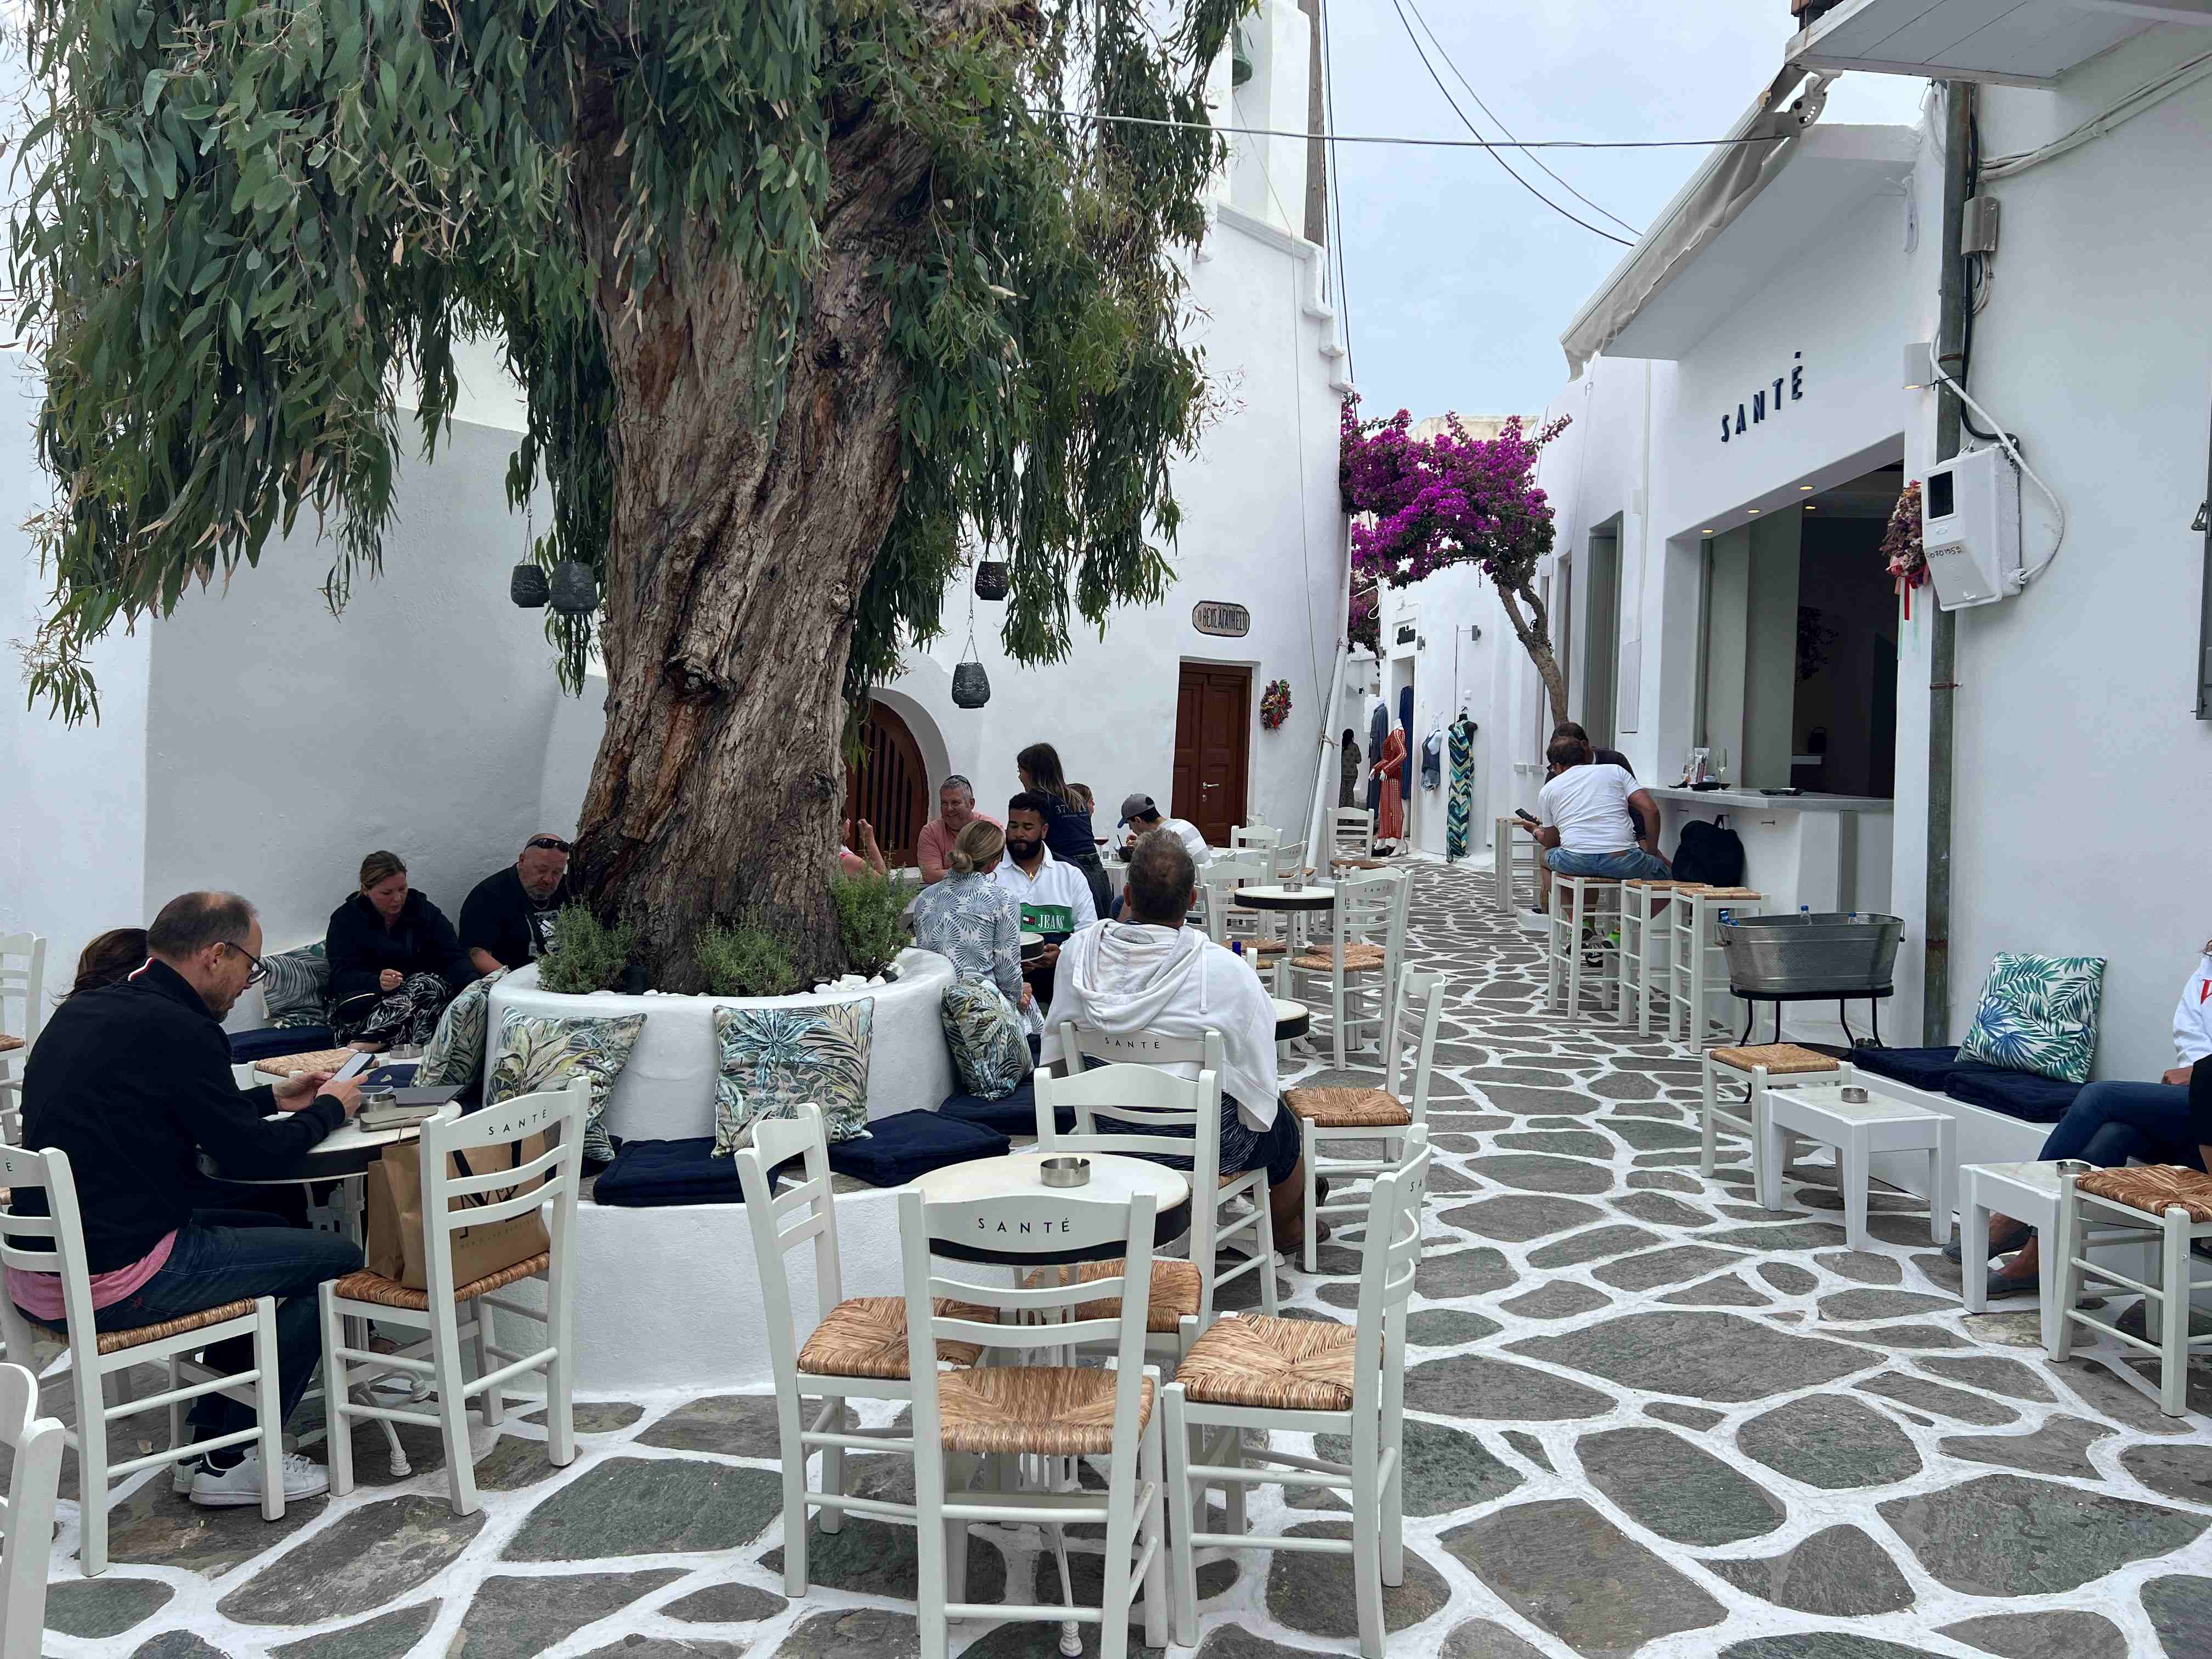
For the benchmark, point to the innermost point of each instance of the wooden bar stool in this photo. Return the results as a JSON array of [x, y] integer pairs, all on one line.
[[1752, 1067], [1514, 858], [1697, 968], [2173, 1205], [1579, 902], [1642, 935]]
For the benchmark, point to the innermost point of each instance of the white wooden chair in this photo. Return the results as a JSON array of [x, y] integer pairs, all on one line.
[[95, 1354], [1227, 921], [1303, 1376], [857, 1347], [22, 1012], [1350, 833], [1258, 838], [1289, 860], [1108, 1091], [451, 1203], [1360, 959], [1001, 1412], [2172, 1205], [28, 1509], [1390, 1115]]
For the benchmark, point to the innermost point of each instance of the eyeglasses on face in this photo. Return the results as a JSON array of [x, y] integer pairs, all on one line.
[[259, 971], [545, 844]]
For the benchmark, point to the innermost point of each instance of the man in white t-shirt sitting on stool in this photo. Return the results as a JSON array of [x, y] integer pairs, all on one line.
[[1588, 809]]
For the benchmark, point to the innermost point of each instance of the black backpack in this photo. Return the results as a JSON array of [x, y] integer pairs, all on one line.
[[1709, 854]]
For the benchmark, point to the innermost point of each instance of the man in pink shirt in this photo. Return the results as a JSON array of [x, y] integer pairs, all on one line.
[[955, 810]]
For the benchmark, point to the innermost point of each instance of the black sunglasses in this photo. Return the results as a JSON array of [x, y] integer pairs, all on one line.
[[547, 843], [259, 972]]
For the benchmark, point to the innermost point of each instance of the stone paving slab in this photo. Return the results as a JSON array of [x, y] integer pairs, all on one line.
[[1647, 1418]]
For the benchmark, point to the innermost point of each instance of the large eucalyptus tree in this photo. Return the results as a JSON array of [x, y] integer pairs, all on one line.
[[804, 293]]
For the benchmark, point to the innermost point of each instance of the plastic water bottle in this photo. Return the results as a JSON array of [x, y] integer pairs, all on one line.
[[1236, 945]]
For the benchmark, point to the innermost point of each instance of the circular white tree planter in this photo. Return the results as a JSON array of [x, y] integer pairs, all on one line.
[[667, 1092]]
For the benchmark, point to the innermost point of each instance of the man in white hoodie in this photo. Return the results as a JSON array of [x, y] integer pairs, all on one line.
[[1151, 973]]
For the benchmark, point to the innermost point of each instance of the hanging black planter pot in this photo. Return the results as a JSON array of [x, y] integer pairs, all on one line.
[[528, 587], [575, 592], [991, 579], [971, 686]]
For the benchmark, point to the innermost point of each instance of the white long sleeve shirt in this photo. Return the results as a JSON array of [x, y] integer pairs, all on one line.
[[1054, 884]]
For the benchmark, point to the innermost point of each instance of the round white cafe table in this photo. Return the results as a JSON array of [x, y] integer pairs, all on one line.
[[1112, 1176], [348, 1150], [1292, 1020], [1307, 897]]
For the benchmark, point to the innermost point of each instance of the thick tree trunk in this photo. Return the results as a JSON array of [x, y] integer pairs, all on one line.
[[1534, 629], [734, 566]]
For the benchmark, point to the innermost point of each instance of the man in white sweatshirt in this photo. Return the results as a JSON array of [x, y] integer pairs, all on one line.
[[1151, 973]]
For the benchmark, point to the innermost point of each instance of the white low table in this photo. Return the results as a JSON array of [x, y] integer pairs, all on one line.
[[1857, 1130], [2027, 1192]]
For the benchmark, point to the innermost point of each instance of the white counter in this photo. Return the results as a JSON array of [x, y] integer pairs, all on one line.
[[1818, 852], [1746, 800]]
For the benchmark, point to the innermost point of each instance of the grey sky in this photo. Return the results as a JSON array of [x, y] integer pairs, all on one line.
[[1460, 282]]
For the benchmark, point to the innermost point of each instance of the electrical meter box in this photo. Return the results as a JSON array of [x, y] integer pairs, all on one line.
[[1970, 528]]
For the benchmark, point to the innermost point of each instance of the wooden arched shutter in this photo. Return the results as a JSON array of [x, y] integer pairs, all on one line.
[[889, 786]]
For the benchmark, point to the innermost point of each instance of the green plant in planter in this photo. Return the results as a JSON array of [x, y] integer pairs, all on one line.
[[746, 958], [870, 920], [587, 956]]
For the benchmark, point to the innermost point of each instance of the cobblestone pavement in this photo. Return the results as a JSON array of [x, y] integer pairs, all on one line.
[[1646, 1417]]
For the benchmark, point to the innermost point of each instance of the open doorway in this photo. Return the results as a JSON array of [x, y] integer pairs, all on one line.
[[1598, 697]]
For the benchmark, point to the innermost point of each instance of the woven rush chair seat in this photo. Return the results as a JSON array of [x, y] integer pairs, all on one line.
[[1172, 1297], [1730, 892], [365, 1287], [315, 1060], [117, 1341], [1780, 1059], [2155, 1188], [10, 1044], [1060, 1411], [1358, 958], [1349, 1109], [866, 1336], [1285, 1365], [1656, 885]]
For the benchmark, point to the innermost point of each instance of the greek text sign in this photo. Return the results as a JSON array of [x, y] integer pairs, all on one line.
[[1231, 622]]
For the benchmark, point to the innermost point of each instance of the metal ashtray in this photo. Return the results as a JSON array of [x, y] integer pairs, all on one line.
[[375, 1099], [2072, 1166], [1854, 1096], [1065, 1172]]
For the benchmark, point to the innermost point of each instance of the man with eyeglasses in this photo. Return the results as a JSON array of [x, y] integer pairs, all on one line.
[[133, 1081], [507, 917]]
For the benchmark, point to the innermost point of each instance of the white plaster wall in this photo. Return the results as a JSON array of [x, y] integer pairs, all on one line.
[[2081, 770], [283, 743], [1260, 528], [72, 799]]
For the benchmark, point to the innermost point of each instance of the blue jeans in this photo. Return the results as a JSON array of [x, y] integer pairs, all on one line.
[[228, 1256], [2110, 1123], [1634, 863]]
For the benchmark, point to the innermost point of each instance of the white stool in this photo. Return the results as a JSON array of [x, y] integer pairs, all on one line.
[[2171, 1203], [2028, 1193], [1579, 902], [1697, 966], [1857, 1130], [1515, 837], [1645, 934], [1752, 1067]]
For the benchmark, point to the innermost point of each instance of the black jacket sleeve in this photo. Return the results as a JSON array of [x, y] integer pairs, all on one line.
[[439, 949], [483, 925], [354, 970], [232, 1124]]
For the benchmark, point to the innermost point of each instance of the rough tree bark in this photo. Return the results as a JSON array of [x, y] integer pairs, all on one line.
[[1534, 631], [735, 562]]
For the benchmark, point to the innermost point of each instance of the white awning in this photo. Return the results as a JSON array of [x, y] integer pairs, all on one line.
[[2014, 42]]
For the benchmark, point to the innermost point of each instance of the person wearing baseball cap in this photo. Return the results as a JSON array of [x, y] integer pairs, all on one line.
[[1139, 815]]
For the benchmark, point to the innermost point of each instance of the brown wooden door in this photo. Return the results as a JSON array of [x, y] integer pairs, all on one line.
[[889, 787], [1213, 754]]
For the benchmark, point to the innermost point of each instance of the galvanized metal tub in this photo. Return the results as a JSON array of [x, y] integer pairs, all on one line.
[[1811, 954]]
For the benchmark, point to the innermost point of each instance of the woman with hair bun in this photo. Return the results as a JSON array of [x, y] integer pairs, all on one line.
[[395, 960], [969, 918]]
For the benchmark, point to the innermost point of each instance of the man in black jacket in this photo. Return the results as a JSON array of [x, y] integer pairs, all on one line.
[[132, 1081], [507, 918]]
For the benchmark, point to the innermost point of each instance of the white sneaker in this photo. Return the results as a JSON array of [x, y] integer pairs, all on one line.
[[241, 1483]]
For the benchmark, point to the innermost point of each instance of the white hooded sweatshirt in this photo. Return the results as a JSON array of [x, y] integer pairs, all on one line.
[[1121, 977], [2192, 1018]]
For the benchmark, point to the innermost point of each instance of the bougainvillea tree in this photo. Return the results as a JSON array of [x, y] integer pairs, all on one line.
[[1421, 505], [799, 290]]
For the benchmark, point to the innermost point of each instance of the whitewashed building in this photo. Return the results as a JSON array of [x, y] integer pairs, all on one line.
[[1744, 416], [254, 741]]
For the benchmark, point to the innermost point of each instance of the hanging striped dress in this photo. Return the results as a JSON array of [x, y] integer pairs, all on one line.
[[1462, 789]]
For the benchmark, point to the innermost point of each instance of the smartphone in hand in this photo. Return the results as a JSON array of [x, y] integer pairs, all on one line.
[[1526, 816]]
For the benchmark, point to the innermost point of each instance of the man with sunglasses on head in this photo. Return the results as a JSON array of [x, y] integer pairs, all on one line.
[[133, 1081], [507, 918]]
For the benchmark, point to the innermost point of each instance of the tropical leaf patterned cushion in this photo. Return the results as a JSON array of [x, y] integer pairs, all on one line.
[[544, 1051], [455, 1052], [2038, 1014], [298, 984], [985, 1035], [774, 1058]]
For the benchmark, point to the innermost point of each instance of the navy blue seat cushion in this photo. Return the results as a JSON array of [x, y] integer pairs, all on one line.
[[652, 1174], [1014, 1116], [2023, 1095], [898, 1148], [1917, 1068], [247, 1047]]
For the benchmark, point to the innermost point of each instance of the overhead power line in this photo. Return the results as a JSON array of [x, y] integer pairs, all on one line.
[[1418, 51], [1436, 40], [1417, 143]]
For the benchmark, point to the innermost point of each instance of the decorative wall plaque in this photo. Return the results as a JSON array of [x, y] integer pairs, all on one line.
[[1231, 622]]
